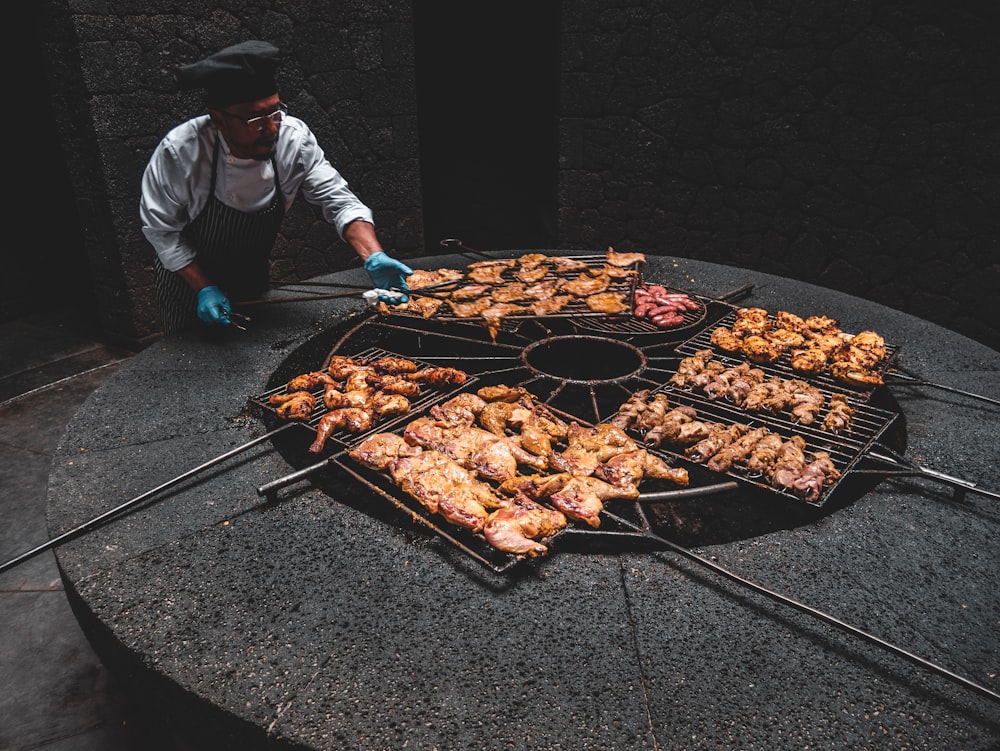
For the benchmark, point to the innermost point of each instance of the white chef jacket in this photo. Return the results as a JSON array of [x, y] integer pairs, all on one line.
[[177, 180]]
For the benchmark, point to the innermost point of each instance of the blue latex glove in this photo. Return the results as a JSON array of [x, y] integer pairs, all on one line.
[[213, 307], [388, 274]]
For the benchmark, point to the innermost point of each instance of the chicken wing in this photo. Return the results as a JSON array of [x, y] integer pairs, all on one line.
[[517, 528], [295, 406]]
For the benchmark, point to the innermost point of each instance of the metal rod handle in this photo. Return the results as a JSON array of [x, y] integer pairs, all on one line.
[[97, 520]]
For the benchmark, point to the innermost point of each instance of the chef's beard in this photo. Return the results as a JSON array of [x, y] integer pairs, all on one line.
[[265, 156]]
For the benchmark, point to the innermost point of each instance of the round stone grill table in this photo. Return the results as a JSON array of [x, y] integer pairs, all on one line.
[[301, 622]]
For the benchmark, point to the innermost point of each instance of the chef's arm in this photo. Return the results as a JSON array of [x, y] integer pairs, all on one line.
[[360, 235], [194, 276], [213, 305]]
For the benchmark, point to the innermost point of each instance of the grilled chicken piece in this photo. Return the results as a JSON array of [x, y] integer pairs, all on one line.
[[461, 409], [582, 498], [630, 468], [668, 427], [531, 260], [719, 436], [393, 365], [422, 305], [495, 416], [341, 367], [751, 322], [808, 361], [351, 419], [872, 342], [444, 487], [489, 455], [624, 259], [530, 276], [384, 405], [494, 315], [790, 322], [357, 380], [823, 325], [586, 284], [759, 349], [517, 528], [334, 398], [440, 377], [309, 381], [488, 272], [610, 303], [860, 358], [425, 277], [839, 415], [544, 290], [380, 450], [785, 340], [589, 447], [726, 340], [295, 406]]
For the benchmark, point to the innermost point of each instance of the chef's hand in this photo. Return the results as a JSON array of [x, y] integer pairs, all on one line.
[[213, 307], [389, 274]]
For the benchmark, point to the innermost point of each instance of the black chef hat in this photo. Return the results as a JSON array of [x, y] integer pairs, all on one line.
[[241, 73]]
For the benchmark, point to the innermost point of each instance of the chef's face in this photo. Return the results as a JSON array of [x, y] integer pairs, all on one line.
[[250, 128]]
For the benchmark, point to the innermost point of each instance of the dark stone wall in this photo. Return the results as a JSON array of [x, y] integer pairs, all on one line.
[[853, 144]]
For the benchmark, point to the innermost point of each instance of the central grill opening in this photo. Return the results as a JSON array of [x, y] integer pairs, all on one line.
[[583, 359]]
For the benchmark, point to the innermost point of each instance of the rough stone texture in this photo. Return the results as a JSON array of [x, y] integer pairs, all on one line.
[[854, 145], [321, 621]]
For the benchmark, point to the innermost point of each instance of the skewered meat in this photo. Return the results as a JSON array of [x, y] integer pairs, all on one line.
[[440, 377], [719, 436], [736, 451], [819, 472], [295, 406], [807, 401], [631, 467], [309, 381], [789, 462], [764, 454], [351, 419], [404, 384], [624, 259], [610, 303], [655, 412], [691, 366], [838, 417], [629, 413], [517, 528], [379, 450]]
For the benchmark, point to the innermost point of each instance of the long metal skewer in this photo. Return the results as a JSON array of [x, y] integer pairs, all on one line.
[[897, 376], [802, 607], [107, 515]]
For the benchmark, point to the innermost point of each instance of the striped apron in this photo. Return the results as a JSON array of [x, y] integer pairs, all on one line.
[[233, 249]]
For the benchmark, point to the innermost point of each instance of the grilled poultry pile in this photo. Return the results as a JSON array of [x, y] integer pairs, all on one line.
[[534, 284], [722, 447], [812, 345], [753, 390], [464, 459], [358, 395]]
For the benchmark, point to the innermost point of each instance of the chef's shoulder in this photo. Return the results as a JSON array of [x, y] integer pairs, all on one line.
[[190, 140]]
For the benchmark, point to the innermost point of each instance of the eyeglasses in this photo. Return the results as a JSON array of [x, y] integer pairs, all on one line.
[[260, 122]]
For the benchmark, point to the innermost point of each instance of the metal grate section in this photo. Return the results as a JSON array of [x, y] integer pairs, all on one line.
[[702, 340], [575, 308], [342, 439], [845, 449]]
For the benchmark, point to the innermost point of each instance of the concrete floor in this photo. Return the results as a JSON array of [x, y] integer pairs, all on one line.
[[56, 695]]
